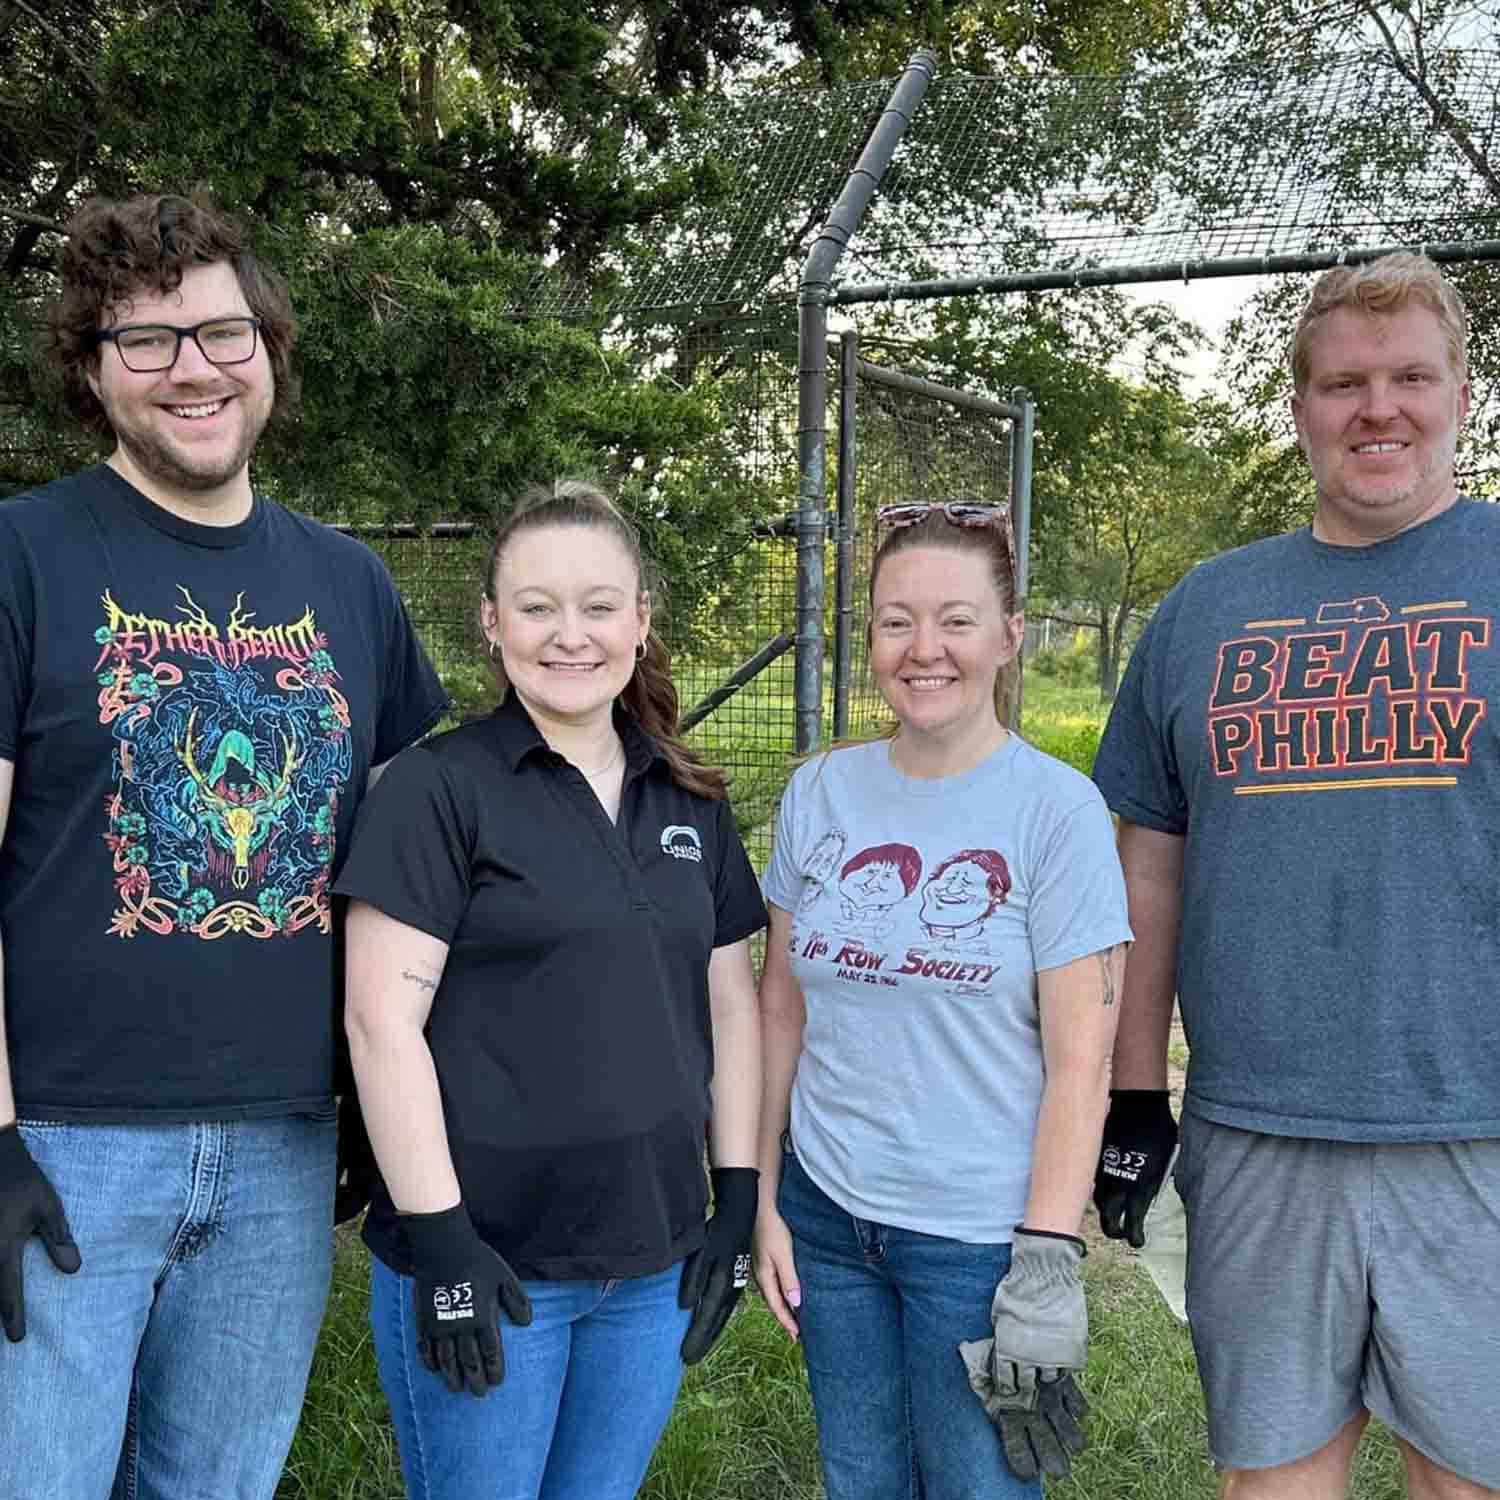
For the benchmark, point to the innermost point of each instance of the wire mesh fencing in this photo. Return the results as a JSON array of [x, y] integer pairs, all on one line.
[[1028, 172], [730, 625], [909, 445]]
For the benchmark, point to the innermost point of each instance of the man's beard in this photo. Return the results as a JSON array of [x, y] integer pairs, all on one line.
[[162, 460]]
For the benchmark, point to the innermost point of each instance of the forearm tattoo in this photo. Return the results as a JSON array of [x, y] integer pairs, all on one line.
[[1107, 978], [424, 984]]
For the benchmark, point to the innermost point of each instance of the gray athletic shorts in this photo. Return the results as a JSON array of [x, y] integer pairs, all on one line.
[[1325, 1276]]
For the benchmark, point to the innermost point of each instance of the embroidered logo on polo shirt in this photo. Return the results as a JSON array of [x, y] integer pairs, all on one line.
[[682, 842]]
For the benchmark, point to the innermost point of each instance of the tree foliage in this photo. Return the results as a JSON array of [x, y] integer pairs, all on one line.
[[1426, 136], [1133, 481], [409, 164]]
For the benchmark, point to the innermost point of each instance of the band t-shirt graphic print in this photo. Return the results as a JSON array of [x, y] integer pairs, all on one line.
[[231, 748], [193, 712], [921, 912], [1318, 723]]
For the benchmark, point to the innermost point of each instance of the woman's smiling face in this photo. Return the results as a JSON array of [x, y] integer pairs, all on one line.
[[939, 636], [567, 616]]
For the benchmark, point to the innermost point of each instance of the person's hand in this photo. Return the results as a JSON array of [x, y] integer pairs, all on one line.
[[1139, 1138], [715, 1277], [1022, 1375], [28, 1206], [355, 1172], [459, 1286], [776, 1270]]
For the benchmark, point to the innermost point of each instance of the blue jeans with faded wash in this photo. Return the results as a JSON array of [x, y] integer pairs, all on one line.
[[172, 1365], [589, 1386], [883, 1312]]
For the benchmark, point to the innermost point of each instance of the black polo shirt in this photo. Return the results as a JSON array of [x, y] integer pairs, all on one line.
[[571, 1030]]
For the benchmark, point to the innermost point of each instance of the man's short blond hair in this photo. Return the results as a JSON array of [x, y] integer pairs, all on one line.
[[1385, 285]]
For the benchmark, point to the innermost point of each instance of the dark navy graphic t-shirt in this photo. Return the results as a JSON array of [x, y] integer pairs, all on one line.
[[193, 712]]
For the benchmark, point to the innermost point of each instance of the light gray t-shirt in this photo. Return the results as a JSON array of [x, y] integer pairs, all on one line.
[[921, 913], [1320, 725]]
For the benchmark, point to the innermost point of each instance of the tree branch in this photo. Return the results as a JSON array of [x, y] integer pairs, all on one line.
[[1442, 115], [61, 42], [34, 220]]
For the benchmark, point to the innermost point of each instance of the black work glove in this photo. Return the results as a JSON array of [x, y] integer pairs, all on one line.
[[1139, 1138], [28, 1206], [458, 1287], [1047, 1438], [355, 1173], [714, 1277]]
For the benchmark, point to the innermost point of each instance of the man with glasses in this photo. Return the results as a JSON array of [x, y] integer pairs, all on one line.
[[1304, 762], [196, 686]]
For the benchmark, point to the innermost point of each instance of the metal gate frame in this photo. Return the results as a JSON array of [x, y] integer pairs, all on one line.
[[1020, 411]]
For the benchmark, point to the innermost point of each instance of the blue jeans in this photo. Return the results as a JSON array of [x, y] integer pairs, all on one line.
[[172, 1365], [588, 1388], [883, 1312]]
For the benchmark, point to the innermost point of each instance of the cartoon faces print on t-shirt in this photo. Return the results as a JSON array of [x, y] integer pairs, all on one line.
[[891, 921], [962, 894], [822, 864], [873, 882]]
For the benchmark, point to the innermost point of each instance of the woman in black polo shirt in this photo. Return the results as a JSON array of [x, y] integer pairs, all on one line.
[[550, 1008]]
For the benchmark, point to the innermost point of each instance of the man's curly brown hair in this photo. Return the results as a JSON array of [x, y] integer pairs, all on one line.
[[118, 248]]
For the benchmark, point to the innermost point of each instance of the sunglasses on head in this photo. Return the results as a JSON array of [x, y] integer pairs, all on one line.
[[966, 513]]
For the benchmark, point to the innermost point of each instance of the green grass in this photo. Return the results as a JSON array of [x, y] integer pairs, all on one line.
[[1048, 702], [743, 1426], [345, 1448]]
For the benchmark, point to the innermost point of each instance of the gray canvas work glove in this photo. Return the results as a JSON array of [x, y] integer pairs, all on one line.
[[1023, 1374]]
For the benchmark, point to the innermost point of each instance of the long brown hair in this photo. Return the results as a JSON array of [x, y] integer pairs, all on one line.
[[989, 542], [649, 695], [116, 249]]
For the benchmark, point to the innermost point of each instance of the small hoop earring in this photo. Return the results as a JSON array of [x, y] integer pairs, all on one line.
[[640, 650]]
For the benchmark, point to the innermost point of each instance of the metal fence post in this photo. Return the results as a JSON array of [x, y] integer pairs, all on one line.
[[812, 458], [1022, 436], [1023, 433], [843, 574], [812, 380]]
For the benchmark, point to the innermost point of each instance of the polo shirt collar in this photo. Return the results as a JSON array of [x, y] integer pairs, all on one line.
[[520, 739]]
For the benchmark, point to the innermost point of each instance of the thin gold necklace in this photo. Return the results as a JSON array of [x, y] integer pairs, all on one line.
[[609, 765]]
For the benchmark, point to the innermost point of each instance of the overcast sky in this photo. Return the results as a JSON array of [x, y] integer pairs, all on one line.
[[1210, 304]]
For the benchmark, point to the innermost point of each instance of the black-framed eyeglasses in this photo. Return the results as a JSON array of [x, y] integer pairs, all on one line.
[[145, 347], [968, 513]]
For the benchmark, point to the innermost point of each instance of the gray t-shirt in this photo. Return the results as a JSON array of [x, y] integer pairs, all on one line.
[[1316, 721], [921, 912]]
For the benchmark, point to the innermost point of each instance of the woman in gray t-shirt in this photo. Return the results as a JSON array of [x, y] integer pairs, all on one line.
[[947, 930]]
